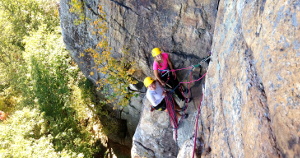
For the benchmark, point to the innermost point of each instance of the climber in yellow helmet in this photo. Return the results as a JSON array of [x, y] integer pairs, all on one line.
[[161, 66], [156, 94]]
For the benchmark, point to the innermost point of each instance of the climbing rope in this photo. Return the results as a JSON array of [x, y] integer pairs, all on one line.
[[190, 71], [176, 69], [195, 80], [196, 130], [170, 103], [189, 82], [185, 68]]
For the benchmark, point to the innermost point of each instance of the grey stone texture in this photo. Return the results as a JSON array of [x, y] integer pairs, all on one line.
[[252, 90]]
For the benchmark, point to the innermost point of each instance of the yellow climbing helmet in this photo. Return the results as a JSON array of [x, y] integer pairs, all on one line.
[[148, 81], [155, 52]]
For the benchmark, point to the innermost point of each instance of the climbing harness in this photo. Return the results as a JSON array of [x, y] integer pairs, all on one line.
[[164, 72]]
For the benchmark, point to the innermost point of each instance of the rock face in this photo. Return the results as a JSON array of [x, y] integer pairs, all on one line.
[[152, 139], [182, 28], [252, 103], [251, 98]]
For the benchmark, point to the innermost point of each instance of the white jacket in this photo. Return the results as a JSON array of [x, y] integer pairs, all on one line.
[[155, 96]]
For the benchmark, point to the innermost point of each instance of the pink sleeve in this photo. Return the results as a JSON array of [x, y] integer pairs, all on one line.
[[155, 65], [166, 55]]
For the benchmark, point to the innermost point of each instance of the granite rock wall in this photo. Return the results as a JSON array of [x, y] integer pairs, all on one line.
[[251, 105], [251, 97]]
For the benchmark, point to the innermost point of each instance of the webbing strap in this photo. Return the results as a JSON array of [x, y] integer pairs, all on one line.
[[166, 72]]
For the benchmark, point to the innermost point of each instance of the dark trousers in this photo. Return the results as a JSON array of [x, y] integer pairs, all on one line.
[[161, 106], [170, 80]]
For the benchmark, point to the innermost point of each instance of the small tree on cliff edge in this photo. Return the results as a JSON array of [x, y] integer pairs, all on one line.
[[118, 72]]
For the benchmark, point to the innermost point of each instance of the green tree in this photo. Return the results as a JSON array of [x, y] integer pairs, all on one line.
[[38, 73], [51, 80], [24, 134], [17, 19]]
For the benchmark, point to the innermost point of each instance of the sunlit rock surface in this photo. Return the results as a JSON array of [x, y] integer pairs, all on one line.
[[252, 89], [252, 101]]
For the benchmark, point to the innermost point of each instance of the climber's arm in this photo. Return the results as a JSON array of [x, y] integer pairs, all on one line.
[[156, 74], [171, 67]]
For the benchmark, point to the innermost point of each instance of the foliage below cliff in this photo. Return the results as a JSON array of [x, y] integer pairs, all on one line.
[[41, 88]]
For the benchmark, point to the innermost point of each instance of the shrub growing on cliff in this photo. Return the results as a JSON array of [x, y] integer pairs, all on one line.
[[117, 72], [118, 76]]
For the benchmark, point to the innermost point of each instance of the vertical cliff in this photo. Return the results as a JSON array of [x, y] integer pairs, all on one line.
[[183, 28], [251, 106], [251, 97]]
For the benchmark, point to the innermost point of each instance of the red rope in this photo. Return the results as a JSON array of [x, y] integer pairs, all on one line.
[[179, 69], [195, 80], [187, 95], [189, 66], [196, 130], [171, 110]]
